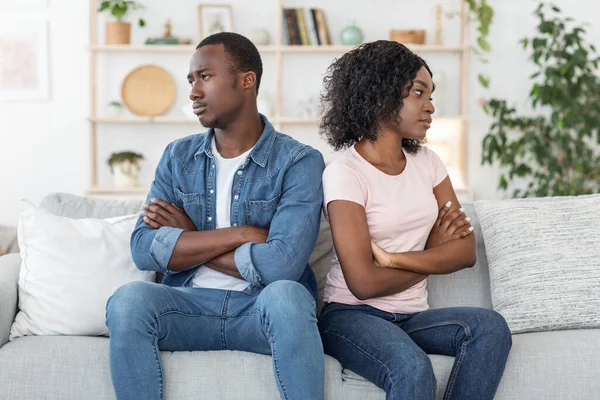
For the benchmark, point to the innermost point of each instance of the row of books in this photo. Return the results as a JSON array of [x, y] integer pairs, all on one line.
[[305, 27]]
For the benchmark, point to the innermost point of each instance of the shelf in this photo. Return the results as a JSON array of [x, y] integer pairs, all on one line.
[[274, 120], [109, 190], [188, 49], [309, 121], [343, 49], [297, 121], [148, 48], [144, 120]]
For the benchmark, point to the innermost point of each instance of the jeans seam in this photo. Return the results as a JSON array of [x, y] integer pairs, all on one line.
[[273, 355], [463, 325], [452, 379], [157, 357], [224, 320], [459, 359], [364, 352]]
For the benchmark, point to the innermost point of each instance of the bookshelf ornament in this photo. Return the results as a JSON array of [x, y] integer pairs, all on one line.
[[351, 35]]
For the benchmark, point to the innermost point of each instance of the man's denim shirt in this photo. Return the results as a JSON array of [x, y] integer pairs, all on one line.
[[278, 187]]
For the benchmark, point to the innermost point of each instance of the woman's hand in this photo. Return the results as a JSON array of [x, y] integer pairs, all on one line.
[[381, 257], [449, 226]]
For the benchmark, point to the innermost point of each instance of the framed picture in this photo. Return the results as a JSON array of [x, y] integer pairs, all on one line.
[[24, 61], [214, 19]]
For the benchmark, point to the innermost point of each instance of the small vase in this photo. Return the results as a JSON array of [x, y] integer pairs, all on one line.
[[351, 35]]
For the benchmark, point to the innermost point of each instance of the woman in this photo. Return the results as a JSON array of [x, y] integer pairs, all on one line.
[[395, 220]]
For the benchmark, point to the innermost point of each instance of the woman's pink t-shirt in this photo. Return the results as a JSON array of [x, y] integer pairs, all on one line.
[[401, 210]]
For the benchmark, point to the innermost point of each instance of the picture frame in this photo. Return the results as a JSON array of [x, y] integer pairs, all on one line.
[[24, 64], [214, 18]]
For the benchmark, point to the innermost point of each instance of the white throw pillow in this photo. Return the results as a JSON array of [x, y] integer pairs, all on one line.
[[69, 270], [544, 260]]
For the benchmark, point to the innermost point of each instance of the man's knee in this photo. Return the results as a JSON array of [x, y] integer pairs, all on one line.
[[129, 303], [287, 300]]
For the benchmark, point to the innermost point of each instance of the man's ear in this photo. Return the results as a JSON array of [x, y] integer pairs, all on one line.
[[248, 80]]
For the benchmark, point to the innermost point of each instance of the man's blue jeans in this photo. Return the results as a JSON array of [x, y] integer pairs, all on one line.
[[391, 350], [144, 318]]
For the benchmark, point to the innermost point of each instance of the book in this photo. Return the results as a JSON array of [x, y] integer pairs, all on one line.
[[291, 25], [302, 26], [322, 27]]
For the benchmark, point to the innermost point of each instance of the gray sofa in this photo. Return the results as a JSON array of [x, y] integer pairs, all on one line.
[[545, 365]]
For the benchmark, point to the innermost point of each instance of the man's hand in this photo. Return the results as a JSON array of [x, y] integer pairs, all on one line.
[[161, 213], [449, 226]]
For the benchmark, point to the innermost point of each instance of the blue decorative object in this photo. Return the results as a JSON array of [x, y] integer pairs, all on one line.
[[351, 35]]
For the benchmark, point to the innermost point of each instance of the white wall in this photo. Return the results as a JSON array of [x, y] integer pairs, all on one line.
[[44, 145]]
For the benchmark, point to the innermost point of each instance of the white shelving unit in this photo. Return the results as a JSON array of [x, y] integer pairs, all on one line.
[[279, 49]]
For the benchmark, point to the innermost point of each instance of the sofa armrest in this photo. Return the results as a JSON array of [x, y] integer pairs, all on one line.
[[10, 265]]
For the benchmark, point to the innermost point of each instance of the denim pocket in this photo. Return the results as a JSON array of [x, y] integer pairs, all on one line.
[[192, 204], [259, 213]]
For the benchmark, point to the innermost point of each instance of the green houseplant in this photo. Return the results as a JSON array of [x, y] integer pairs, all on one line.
[[482, 13], [119, 31], [556, 152], [125, 166]]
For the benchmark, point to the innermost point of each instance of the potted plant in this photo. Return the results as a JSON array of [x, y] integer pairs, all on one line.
[[119, 32], [114, 108], [553, 152], [125, 166]]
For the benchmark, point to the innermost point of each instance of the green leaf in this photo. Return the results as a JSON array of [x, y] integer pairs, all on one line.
[[142, 22], [485, 82], [104, 6], [483, 44], [502, 182], [524, 42]]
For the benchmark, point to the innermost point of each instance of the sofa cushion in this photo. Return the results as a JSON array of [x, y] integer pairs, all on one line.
[[69, 270], [467, 287], [72, 206], [66, 368], [545, 365], [544, 261]]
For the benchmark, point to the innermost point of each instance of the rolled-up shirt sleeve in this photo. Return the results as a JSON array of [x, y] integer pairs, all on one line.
[[151, 249], [294, 228]]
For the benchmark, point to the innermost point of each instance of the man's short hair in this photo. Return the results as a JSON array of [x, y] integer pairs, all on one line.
[[242, 53]]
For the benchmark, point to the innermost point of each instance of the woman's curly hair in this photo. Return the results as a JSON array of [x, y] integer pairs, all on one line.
[[365, 87]]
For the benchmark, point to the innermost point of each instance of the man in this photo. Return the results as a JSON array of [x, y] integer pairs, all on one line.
[[231, 219]]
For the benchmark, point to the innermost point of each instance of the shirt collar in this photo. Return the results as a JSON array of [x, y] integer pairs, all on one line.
[[261, 150]]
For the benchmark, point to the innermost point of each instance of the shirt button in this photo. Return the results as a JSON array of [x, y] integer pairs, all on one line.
[[239, 172], [211, 191], [209, 219], [236, 197]]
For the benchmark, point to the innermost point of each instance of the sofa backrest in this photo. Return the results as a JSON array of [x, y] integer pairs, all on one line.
[[468, 287]]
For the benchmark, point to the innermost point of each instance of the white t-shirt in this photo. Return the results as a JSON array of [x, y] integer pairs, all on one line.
[[225, 170]]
